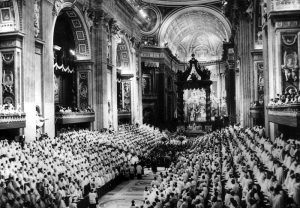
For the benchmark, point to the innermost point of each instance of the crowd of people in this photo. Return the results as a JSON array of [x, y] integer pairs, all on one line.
[[291, 97], [231, 168], [166, 151], [69, 169]]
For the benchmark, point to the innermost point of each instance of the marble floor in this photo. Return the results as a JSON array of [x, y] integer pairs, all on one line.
[[127, 191]]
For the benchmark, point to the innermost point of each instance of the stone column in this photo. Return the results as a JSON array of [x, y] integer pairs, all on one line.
[[243, 46], [29, 71], [114, 101], [99, 39], [47, 67], [140, 94], [270, 74], [180, 106], [133, 86], [208, 103]]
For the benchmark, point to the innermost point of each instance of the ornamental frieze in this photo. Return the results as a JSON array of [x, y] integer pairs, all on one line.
[[287, 24]]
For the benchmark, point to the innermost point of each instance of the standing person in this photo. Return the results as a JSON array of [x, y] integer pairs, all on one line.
[[92, 198], [132, 204], [39, 120], [139, 170], [131, 171], [154, 166], [296, 191]]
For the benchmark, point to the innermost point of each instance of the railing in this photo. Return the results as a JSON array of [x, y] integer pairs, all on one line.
[[12, 121], [285, 5], [74, 117], [285, 114]]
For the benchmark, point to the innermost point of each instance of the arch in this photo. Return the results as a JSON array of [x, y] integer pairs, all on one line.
[[79, 28], [179, 28], [171, 17]]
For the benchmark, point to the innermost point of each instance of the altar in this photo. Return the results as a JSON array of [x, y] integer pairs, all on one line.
[[194, 99]]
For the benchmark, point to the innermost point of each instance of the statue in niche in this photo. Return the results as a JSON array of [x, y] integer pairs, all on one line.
[[290, 66], [8, 83], [109, 114], [259, 37], [108, 56], [88, 16]]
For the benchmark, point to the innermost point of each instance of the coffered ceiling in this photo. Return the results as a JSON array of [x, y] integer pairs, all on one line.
[[200, 30]]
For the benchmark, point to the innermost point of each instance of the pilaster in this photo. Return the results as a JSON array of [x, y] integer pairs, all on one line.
[[140, 94], [99, 37], [28, 72], [134, 88], [114, 102]]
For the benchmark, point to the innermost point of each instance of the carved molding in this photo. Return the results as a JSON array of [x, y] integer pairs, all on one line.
[[36, 20], [57, 5]]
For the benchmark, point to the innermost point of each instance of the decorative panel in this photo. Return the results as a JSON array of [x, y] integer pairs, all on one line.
[[7, 16], [124, 96], [146, 84], [83, 90], [289, 61], [285, 5], [8, 78], [37, 18], [57, 87], [258, 26], [287, 24], [260, 81], [127, 96]]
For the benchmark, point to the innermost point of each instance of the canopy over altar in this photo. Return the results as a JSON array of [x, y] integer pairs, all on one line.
[[194, 103]]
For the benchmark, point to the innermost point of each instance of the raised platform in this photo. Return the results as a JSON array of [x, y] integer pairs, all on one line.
[[12, 121], [194, 133], [288, 115], [198, 129], [74, 117]]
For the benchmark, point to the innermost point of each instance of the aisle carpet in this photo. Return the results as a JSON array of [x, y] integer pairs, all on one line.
[[127, 191]]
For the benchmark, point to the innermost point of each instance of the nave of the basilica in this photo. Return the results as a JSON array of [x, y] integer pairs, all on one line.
[[149, 103]]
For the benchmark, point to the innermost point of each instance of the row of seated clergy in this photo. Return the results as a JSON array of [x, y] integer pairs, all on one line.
[[228, 156], [54, 172]]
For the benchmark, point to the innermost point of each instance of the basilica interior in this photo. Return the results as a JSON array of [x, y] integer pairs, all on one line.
[[98, 87]]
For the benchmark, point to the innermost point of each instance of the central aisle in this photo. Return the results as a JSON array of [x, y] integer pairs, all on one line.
[[127, 191]]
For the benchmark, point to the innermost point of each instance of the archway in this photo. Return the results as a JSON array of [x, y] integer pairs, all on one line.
[[199, 30], [71, 71], [64, 63], [124, 86]]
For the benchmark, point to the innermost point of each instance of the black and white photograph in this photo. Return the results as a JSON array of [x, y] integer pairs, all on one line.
[[150, 104]]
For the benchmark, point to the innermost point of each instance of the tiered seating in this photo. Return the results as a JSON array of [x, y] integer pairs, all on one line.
[[230, 168], [62, 171], [273, 165], [193, 181]]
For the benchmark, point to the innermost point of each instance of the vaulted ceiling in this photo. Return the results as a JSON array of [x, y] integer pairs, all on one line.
[[200, 30]]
